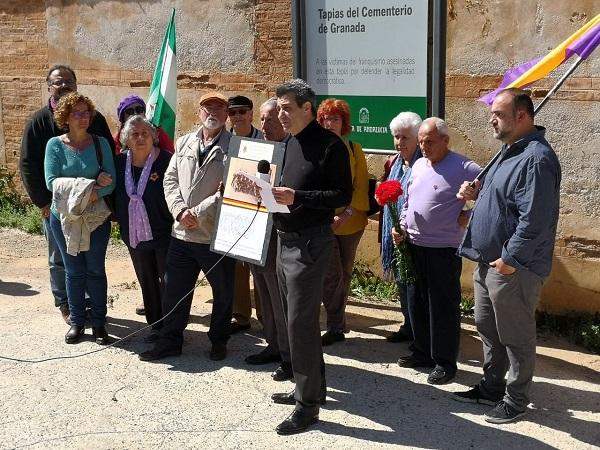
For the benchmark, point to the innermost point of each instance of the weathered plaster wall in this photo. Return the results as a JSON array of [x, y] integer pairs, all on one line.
[[244, 46], [487, 37]]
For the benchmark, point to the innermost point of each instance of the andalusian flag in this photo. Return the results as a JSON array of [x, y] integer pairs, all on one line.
[[581, 43], [162, 101]]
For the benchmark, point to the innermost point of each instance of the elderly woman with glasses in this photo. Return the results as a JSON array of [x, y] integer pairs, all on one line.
[[144, 218], [72, 158], [133, 105], [349, 222]]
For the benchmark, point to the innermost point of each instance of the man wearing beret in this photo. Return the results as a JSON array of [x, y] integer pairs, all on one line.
[[191, 186]]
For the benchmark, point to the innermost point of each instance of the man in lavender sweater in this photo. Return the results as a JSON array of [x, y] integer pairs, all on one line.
[[431, 221]]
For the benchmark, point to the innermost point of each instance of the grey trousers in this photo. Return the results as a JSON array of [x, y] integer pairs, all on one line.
[[505, 317], [271, 304], [302, 259], [337, 279]]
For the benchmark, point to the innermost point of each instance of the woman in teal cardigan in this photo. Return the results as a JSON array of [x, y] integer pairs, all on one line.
[[74, 155]]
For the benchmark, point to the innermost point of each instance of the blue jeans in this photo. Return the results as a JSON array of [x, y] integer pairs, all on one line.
[[56, 266], [85, 272]]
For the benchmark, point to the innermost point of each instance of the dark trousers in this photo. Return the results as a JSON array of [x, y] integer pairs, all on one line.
[[434, 305], [301, 264], [406, 327], [271, 304], [185, 260], [150, 267], [337, 280]]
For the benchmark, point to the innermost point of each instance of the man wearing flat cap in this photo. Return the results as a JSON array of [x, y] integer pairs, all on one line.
[[240, 116], [191, 186]]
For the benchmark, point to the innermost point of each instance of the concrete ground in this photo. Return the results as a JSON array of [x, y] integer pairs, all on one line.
[[111, 400]]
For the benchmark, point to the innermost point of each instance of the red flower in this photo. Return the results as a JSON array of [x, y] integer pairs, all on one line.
[[388, 192]]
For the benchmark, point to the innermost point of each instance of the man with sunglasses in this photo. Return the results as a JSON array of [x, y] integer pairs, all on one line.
[[39, 129], [240, 111]]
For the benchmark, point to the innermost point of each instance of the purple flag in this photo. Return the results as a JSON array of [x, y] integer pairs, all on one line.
[[510, 76], [586, 44]]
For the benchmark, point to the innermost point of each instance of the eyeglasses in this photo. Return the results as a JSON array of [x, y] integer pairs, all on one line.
[[212, 109], [61, 83], [132, 111], [81, 114], [236, 112]]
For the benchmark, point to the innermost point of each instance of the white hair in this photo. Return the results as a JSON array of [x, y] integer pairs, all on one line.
[[271, 103], [440, 124], [132, 122], [406, 121]]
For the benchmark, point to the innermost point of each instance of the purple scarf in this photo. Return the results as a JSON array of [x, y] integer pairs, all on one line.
[[139, 225]]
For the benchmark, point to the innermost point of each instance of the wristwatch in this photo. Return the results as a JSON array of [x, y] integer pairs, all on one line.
[[349, 211]]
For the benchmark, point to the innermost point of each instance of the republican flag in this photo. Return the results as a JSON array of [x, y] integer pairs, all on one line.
[[162, 100], [581, 43]]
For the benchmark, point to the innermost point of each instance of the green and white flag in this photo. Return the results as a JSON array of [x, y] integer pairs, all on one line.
[[162, 100]]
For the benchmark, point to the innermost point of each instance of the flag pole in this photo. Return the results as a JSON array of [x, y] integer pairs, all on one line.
[[558, 84]]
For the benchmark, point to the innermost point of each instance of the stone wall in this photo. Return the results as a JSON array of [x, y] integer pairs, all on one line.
[[244, 46]]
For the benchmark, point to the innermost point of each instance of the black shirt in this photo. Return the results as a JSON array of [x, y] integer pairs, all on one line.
[[317, 167], [159, 216]]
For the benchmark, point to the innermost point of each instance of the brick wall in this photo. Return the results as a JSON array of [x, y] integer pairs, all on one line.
[[25, 60], [23, 68], [473, 86]]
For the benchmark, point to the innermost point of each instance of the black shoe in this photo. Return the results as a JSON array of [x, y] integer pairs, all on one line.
[[398, 336], [331, 337], [298, 421], [503, 413], [283, 372], [140, 310], [152, 337], [287, 398], [218, 352], [411, 361], [157, 353], [236, 327], [74, 334], [264, 357], [439, 375], [100, 335], [474, 395]]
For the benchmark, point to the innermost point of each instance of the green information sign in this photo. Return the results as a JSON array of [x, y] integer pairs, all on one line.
[[371, 53]]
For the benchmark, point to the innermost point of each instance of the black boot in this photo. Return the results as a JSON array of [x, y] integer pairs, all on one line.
[[74, 334], [100, 335]]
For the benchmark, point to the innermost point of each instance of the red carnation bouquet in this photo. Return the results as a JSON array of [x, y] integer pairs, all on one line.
[[388, 193]]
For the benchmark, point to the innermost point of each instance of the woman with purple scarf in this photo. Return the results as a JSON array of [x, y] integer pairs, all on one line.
[[142, 212]]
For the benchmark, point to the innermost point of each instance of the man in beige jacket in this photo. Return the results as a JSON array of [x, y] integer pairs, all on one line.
[[192, 190]]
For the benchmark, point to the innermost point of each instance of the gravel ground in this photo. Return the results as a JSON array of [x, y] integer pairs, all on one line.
[[111, 400]]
